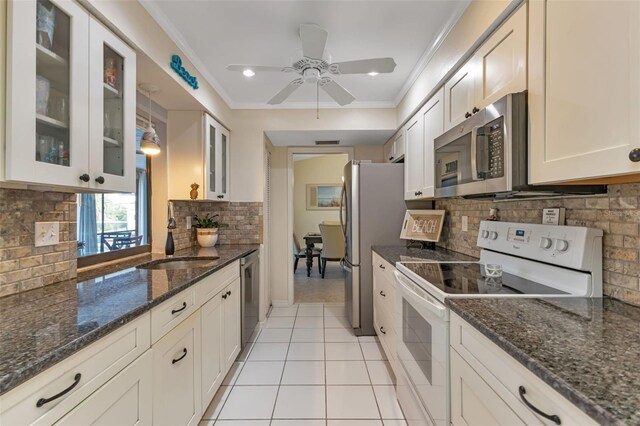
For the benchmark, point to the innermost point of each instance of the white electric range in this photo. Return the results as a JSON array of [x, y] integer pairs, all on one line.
[[537, 260]]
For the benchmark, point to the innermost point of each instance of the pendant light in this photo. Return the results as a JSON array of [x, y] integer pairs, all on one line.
[[150, 143]]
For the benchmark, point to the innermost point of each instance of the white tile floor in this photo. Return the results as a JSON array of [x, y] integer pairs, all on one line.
[[307, 368]]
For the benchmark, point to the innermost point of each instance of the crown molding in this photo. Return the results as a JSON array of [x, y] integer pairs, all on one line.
[[430, 51], [312, 105]]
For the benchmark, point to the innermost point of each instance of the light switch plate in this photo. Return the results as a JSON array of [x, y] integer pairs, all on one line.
[[465, 223], [189, 222], [47, 234]]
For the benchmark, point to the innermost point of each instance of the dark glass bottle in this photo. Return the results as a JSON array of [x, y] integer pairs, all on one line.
[[169, 247]]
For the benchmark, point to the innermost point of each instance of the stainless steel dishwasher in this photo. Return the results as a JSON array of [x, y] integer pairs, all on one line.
[[250, 293]]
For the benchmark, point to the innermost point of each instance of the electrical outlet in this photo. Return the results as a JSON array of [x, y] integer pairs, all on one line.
[[465, 223], [47, 234], [189, 222]]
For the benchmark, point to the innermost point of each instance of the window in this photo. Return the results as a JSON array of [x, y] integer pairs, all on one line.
[[111, 226]]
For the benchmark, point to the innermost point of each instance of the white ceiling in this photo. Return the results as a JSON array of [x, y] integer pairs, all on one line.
[[215, 33], [346, 137]]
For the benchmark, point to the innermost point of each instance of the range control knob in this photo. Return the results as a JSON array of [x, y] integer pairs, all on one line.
[[545, 243], [562, 245], [485, 234], [493, 235]]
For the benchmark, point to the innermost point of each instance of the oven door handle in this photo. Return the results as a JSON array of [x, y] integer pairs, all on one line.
[[474, 153], [439, 310]]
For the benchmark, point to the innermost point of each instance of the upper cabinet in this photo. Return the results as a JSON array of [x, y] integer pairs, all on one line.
[[584, 89], [70, 99], [198, 152], [394, 149], [421, 131], [497, 68]]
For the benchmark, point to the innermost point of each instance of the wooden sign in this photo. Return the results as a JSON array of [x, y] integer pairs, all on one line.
[[422, 225]]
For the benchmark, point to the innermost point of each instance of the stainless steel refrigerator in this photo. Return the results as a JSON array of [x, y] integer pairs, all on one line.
[[372, 209]]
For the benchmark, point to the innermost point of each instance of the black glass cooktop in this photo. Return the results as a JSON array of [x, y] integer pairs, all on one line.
[[470, 278]]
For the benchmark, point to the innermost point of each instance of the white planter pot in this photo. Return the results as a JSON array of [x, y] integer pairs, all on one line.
[[207, 237]]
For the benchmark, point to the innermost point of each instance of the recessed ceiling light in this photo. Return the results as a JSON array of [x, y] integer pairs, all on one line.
[[248, 73], [373, 73]]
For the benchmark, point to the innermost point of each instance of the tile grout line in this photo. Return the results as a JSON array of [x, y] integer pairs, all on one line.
[[326, 384], [286, 356], [370, 381]]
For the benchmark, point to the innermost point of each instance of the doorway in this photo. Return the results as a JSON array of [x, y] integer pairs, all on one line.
[[317, 179]]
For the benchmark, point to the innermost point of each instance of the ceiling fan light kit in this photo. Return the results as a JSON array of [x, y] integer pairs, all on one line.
[[313, 66]]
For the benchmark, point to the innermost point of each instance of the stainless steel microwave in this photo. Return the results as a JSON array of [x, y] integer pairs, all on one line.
[[487, 155]]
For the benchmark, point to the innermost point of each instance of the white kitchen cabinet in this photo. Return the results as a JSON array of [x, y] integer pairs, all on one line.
[[198, 152], [496, 69], [58, 93], [584, 89], [231, 323], [394, 149], [384, 311], [124, 400], [177, 375], [486, 383], [213, 369], [421, 131]]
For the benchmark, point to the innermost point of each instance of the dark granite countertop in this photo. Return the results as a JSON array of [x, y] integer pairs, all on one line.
[[586, 349], [41, 327], [393, 254]]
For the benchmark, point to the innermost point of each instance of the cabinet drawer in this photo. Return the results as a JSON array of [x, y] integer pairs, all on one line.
[[505, 375], [384, 293], [381, 265], [385, 330], [124, 400], [170, 313], [214, 283], [91, 368]]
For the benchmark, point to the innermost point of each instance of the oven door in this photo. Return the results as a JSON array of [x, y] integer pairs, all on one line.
[[473, 157], [423, 354]]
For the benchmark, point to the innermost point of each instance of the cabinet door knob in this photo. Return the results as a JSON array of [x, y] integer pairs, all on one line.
[[220, 197], [229, 293], [76, 380], [224, 296], [474, 110], [634, 155], [100, 180], [390, 158], [467, 115], [382, 266], [522, 391], [382, 294], [85, 177], [184, 353], [382, 330]]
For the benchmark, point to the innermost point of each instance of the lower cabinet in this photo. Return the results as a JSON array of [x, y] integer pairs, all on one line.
[[212, 362], [231, 323], [384, 307], [176, 375], [124, 400]]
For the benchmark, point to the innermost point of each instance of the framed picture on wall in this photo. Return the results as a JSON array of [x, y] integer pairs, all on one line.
[[323, 196]]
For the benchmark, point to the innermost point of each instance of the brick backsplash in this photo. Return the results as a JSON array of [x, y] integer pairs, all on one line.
[[616, 213], [22, 265], [244, 219]]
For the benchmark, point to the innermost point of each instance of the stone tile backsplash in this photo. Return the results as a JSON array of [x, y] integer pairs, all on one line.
[[244, 220], [616, 213], [22, 265]]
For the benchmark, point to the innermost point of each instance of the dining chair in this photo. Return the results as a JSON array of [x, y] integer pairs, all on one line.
[[332, 244], [299, 253]]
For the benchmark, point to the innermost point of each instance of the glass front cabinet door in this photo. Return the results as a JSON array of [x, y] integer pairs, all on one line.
[[216, 160], [52, 103]]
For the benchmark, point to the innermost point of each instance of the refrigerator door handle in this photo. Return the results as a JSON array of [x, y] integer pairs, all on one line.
[[344, 265], [342, 205]]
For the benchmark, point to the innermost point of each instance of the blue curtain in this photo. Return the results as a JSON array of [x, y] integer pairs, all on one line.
[[87, 224]]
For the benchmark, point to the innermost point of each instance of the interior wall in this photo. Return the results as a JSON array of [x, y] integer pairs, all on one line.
[[3, 79], [317, 170], [476, 19], [279, 243]]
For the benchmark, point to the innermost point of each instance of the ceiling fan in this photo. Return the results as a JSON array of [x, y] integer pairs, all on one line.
[[315, 69]]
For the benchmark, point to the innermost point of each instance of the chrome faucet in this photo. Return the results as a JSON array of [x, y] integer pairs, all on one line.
[[169, 247]]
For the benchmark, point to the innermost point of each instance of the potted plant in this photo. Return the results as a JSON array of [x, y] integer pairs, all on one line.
[[207, 229]]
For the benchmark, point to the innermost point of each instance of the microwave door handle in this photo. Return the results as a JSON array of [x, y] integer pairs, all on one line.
[[403, 281], [474, 153]]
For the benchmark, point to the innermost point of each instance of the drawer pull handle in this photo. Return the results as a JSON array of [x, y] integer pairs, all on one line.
[[175, 311], [382, 330], [553, 417], [76, 380], [382, 294], [229, 293], [184, 353], [224, 296], [382, 266]]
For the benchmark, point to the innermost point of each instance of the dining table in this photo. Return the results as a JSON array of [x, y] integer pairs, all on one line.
[[310, 240]]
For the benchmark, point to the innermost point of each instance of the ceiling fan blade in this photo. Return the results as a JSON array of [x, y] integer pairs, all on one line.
[[337, 92], [313, 39], [364, 66], [257, 68], [282, 95]]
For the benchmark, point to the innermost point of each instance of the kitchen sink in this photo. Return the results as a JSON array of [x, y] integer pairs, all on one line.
[[179, 263]]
